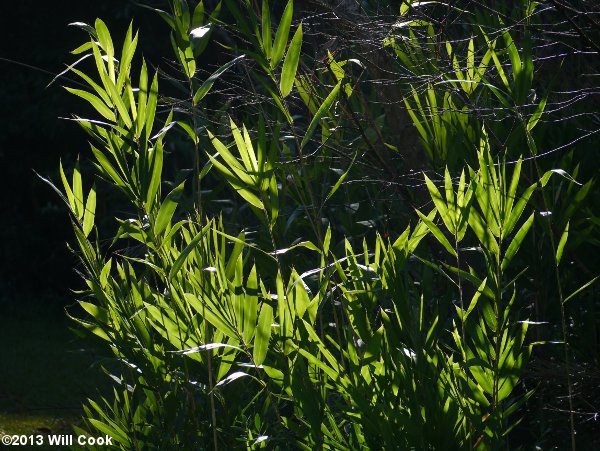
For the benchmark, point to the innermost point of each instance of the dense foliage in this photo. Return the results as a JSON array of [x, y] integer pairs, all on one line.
[[277, 272]]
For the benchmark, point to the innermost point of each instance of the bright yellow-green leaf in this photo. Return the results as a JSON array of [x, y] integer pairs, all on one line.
[[281, 37], [90, 211], [437, 233], [290, 65], [516, 241]]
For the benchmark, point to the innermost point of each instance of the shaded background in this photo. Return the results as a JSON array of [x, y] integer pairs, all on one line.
[[46, 372], [36, 269]]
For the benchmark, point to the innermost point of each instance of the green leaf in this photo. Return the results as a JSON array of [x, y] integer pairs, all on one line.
[[516, 241], [78, 191], [440, 205], [263, 334], [471, 60], [483, 233], [127, 53], [437, 233], [323, 109], [98, 104], [198, 15], [244, 146], [475, 298], [512, 190], [561, 244], [165, 213], [250, 306], [90, 211], [156, 165], [290, 65], [535, 117], [281, 37], [151, 105], [101, 92], [216, 319], [210, 81], [70, 197], [107, 45], [189, 248], [341, 179], [238, 247], [513, 54], [113, 432], [100, 314], [266, 29], [580, 289], [516, 212], [107, 168], [234, 168]]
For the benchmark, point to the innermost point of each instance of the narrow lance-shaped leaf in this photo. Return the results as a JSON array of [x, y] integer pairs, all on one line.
[[245, 152], [233, 165], [580, 289], [210, 81], [107, 45], [535, 117], [263, 334], [78, 191], [98, 104], [512, 190], [440, 205], [561, 244], [198, 15], [281, 37], [151, 105], [68, 191], [516, 242], [165, 213], [184, 253], [266, 28], [290, 65], [156, 165], [90, 211], [483, 232], [250, 306], [518, 208], [323, 109], [437, 233]]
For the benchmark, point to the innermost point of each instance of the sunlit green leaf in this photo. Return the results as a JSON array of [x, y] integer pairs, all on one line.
[[281, 37], [290, 65]]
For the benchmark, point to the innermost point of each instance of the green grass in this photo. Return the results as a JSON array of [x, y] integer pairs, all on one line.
[[45, 374]]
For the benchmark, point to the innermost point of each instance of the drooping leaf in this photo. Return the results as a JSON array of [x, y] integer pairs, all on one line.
[[98, 104]]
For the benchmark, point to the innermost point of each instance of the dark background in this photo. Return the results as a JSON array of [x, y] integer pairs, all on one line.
[[46, 371], [36, 268]]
